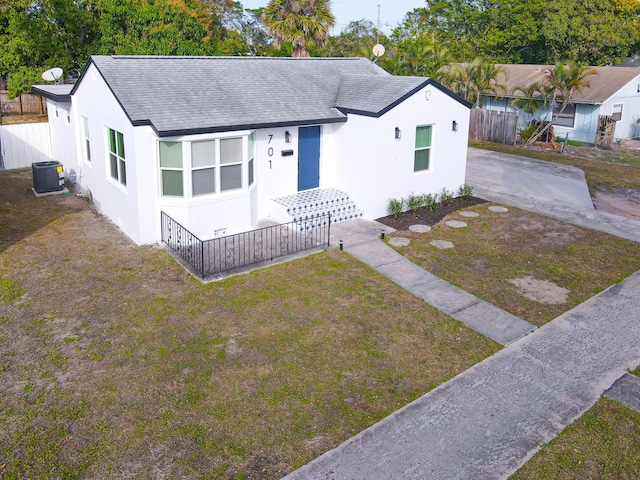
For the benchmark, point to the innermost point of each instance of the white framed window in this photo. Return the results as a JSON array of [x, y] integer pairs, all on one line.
[[616, 111], [566, 118], [422, 155], [171, 166], [250, 155], [117, 162], [67, 116], [230, 164], [203, 167], [56, 111], [87, 144], [215, 166]]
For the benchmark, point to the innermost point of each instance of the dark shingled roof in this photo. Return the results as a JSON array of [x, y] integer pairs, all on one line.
[[188, 95], [57, 93]]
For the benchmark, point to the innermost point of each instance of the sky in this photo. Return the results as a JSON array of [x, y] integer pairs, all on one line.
[[345, 11]]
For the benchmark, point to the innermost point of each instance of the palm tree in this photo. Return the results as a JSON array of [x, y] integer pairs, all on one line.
[[559, 87], [301, 22], [476, 78]]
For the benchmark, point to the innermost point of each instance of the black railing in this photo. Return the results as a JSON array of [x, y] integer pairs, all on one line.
[[223, 254]]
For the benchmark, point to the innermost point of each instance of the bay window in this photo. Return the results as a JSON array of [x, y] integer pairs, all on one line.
[[215, 166]]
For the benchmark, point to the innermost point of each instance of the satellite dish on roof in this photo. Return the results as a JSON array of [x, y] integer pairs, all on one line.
[[378, 50], [52, 75]]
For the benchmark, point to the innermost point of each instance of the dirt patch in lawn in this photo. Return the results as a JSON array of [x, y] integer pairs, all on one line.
[[116, 363], [496, 248], [541, 291], [423, 216]]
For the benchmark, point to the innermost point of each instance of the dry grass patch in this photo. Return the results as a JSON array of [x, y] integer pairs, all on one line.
[[499, 254], [602, 444], [117, 364]]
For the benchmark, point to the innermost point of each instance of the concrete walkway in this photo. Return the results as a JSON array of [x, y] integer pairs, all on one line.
[[488, 421], [360, 239], [528, 178]]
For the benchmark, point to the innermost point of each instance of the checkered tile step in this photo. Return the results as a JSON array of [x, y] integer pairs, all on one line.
[[319, 202]]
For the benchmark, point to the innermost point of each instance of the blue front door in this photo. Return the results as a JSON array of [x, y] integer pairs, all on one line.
[[308, 158]]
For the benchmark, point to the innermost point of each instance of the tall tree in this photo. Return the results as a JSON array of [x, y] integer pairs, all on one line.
[[558, 89], [474, 79], [356, 39], [303, 23]]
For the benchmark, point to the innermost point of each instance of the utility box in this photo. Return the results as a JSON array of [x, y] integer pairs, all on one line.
[[47, 177]]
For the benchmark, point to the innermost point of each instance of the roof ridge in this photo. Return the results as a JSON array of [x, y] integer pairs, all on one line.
[[228, 57]]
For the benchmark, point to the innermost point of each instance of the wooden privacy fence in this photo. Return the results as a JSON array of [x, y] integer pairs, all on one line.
[[493, 126], [25, 104], [23, 144]]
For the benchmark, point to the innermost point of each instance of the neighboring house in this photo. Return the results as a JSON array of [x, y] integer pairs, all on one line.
[[612, 91], [220, 143]]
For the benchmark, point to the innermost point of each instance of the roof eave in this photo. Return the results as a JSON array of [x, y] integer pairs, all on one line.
[[51, 96], [233, 128]]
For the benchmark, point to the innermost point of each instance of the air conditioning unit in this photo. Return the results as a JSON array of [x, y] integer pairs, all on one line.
[[47, 177]]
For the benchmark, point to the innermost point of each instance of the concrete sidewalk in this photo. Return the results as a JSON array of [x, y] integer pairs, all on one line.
[[361, 240], [489, 420]]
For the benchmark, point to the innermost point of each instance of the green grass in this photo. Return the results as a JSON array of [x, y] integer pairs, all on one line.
[[602, 444], [115, 362], [496, 248], [600, 174]]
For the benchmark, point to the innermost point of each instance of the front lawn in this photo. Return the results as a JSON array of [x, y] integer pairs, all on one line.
[[520, 261], [115, 363]]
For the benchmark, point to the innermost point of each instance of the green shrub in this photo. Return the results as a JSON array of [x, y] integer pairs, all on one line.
[[465, 191], [527, 132], [413, 202], [430, 201], [445, 196], [395, 206]]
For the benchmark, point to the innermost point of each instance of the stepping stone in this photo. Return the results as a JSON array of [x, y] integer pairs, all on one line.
[[455, 224], [420, 228], [399, 242], [497, 209], [441, 244], [469, 214]]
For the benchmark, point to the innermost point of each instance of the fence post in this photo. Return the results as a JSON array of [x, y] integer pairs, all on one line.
[[329, 233], [564, 145], [613, 155]]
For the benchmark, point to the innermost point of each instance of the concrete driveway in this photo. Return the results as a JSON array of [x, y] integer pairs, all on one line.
[[541, 181]]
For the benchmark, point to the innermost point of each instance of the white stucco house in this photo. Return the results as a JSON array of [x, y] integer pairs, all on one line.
[[219, 143], [612, 92]]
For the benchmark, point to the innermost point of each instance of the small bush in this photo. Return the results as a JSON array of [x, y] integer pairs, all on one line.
[[527, 132], [414, 202], [395, 206], [430, 201], [465, 191], [445, 196]]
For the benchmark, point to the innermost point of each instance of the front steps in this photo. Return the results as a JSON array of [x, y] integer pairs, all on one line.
[[316, 204]]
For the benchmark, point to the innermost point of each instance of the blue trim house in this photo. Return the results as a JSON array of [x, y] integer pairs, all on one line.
[[612, 91]]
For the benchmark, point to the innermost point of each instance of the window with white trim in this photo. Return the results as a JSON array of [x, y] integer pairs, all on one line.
[[423, 148], [216, 166], [251, 155], [87, 143], [171, 168], [67, 116], [567, 117], [203, 167], [117, 163], [616, 112], [230, 164]]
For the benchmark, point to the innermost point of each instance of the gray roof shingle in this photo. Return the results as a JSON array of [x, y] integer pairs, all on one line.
[[58, 93], [187, 95]]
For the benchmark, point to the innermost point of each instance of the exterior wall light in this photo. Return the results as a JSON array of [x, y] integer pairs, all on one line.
[[287, 137], [454, 126], [398, 134]]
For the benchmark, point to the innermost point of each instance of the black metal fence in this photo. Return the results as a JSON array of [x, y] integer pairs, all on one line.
[[210, 257]]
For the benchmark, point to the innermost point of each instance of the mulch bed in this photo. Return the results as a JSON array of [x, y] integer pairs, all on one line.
[[428, 217]]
